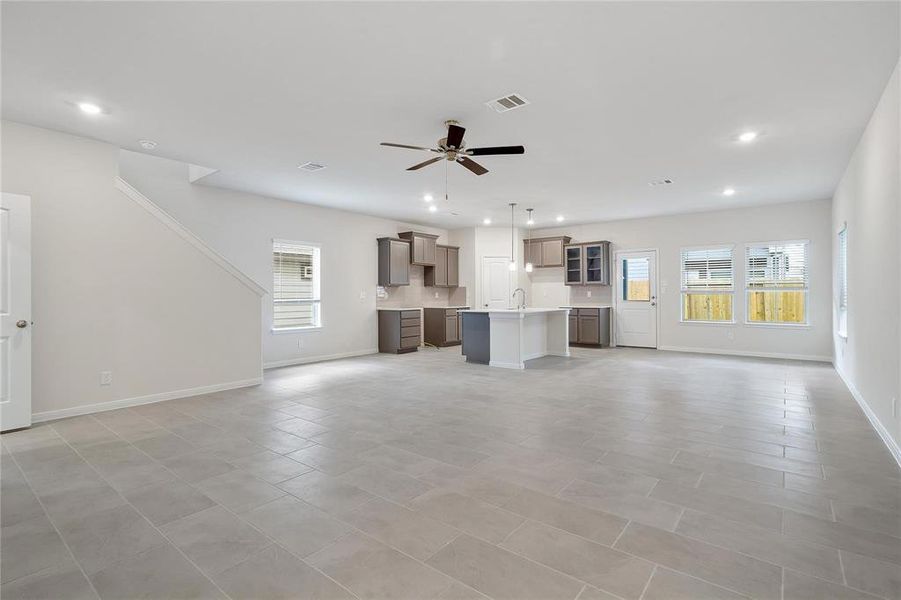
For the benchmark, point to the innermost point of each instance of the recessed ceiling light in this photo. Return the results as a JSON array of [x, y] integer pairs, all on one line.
[[428, 198], [729, 192], [433, 208], [486, 221], [559, 218], [147, 144], [89, 108], [748, 136]]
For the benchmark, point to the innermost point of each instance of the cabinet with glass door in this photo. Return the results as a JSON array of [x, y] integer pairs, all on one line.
[[587, 264]]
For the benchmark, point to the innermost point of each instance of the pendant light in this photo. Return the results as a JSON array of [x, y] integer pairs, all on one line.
[[512, 265], [530, 222]]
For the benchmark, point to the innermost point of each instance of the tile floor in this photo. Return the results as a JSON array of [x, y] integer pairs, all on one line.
[[614, 474]]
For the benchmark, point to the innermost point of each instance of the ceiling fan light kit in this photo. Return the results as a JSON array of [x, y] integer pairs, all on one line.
[[452, 148]]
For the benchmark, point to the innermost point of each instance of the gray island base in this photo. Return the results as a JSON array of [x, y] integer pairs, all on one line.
[[507, 338]]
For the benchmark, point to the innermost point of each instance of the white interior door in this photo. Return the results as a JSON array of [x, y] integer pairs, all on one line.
[[15, 312], [636, 299], [495, 282]]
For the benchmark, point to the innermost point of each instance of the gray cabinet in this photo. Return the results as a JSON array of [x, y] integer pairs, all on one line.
[[394, 262], [445, 273], [399, 331], [442, 326], [587, 264], [545, 252], [424, 247], [589, 326]]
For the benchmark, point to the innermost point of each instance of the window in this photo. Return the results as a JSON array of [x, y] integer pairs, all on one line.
[[776, 283], [707, 285], [295, 285], [636, 279], [843, 282]]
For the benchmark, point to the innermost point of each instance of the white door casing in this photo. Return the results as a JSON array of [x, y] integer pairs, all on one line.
[[15, 311], [635, 316], [495, 282]]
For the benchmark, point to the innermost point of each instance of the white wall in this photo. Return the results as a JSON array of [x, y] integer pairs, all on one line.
[[792, 221], [867, 199], [241, 227], [481, 242], [115, 289]]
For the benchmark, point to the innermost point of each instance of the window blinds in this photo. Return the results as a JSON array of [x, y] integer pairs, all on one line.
[[776, 266], [295, 289], [707, 269]]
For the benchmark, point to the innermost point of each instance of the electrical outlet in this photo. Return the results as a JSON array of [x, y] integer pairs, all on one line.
[[106, 377], [362, 295], [300, 343], [588, 294], [730, 334], [436, 294]]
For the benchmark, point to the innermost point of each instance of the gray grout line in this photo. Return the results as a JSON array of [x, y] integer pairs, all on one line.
[[648, 583], [52, 524]]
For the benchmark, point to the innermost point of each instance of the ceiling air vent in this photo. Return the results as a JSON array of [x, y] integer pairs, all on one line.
[[657, 182], [507, 103], [311, 166]]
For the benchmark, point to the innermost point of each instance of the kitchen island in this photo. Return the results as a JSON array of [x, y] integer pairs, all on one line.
[[507, 338]]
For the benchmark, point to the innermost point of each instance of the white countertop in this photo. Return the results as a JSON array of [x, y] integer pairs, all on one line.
[[418, 307], [587, 306], [526, 311]]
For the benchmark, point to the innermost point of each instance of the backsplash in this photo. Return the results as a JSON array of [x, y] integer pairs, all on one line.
[[416, 294]]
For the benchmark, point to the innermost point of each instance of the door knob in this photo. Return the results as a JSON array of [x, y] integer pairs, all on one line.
[[653, 304], [22, 324]]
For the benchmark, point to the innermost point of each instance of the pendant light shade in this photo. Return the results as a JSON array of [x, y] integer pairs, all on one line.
[[530, 222]]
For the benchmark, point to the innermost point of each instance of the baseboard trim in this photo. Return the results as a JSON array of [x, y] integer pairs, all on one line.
[[506, 365], [778, 355], [305, 360], [890, 443], [87, 409]]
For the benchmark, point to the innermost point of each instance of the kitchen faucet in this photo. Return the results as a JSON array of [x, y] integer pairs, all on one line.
[[523, 298]]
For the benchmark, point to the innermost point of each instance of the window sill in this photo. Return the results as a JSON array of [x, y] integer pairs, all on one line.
[[717, 323], [779, 325], [295, 329]]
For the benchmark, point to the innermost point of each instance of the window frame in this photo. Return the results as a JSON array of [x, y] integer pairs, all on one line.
[[842, 304], [805, 289], [684, 291], [315, 302]]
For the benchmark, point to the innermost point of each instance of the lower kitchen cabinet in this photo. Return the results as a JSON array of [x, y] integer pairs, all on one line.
[[589, 326], [442, 326], [399, 330]]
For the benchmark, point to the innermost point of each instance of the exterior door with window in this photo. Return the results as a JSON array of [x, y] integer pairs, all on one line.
[[15, 312], [636, 299]]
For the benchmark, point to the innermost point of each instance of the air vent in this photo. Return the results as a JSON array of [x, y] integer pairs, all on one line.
[[657, 182], [311, 166], [507, 103]]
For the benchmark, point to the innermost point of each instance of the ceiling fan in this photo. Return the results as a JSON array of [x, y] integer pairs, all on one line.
[[453, 149]]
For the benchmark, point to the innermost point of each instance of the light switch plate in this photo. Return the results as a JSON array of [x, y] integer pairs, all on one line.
[[106, 377]]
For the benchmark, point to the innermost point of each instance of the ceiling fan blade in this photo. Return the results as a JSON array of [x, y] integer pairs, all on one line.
[[496, 150], [426, 163], [472, 165], [409, 147], [455, 136]]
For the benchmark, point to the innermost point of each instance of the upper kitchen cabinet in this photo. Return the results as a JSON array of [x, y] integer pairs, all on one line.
[[394, 262], [424, 246], [546, 252], [587, 264], [446, 272]]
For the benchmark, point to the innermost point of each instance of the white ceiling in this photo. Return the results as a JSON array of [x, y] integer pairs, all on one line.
[[621, 94]]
